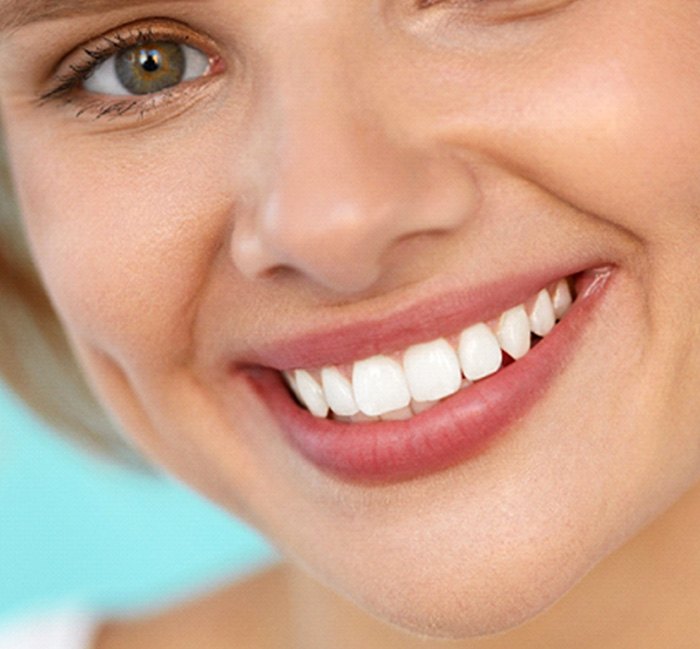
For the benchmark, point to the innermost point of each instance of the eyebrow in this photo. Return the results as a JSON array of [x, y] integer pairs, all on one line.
[[18, 13]]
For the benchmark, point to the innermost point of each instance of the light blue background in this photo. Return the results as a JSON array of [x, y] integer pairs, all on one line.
[[74, 530]]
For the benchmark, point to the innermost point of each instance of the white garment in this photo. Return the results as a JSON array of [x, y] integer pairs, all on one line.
[[66, 630]]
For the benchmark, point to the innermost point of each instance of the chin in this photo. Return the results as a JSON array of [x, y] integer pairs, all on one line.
[[477, 605], [490, 601]]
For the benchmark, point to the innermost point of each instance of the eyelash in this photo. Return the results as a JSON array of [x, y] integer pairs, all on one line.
[[68, 84]]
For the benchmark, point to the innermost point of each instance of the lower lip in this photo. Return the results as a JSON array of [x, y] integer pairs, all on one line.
[[458, 428]]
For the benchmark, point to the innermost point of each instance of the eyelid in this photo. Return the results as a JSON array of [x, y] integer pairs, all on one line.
[[74, 68]]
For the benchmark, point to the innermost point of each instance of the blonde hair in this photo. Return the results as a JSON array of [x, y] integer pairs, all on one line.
[[35, 358]]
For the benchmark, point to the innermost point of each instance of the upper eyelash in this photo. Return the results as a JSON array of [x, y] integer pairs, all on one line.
[[79, 73]]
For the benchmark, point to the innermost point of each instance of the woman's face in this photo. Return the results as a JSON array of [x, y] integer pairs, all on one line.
[[309, 185]]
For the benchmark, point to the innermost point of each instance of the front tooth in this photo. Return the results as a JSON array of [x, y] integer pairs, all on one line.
[[542, 316], [432, 370], [311, 393], [379, 386], [479, 352], [561, 299], [338, 392], [514, 332]]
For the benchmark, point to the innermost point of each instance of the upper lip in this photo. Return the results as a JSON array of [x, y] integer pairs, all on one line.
[[442, 314]]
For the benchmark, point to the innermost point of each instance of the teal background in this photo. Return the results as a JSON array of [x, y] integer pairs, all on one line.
[[77, 531]]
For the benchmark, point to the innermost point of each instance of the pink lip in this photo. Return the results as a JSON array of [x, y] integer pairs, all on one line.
[[436, 316], [456, 429]]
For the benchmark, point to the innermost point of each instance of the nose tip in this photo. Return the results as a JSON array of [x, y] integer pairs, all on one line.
[[330, 244]]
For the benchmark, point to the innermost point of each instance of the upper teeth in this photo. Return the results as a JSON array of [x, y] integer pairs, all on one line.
[[396, 385]]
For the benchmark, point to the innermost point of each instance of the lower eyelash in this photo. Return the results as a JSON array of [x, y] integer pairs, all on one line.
[[69, 84], [115, 109], [120, 108]]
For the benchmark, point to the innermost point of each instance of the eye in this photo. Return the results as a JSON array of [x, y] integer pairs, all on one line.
[[147, 68]]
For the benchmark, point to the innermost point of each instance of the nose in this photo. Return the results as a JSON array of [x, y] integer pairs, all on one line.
[[341, 187]]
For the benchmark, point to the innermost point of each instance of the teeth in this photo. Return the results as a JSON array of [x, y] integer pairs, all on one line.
[[561, 299], [397, 415], [421, 406], [311, 393], [379, 385], [338, 392], [514, 332], [289, 378], [382, 388], [479, 352], [360, 418], [542, 317], [432, 370]]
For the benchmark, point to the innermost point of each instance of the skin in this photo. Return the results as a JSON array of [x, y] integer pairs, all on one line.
[[290, 190]]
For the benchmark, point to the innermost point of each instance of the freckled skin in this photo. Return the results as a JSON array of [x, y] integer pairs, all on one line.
[[356, 156]]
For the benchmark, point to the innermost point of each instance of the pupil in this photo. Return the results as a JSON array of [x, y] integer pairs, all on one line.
[[150, 61]]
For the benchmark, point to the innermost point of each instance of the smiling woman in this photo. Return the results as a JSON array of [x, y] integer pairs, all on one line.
[[410, 286]]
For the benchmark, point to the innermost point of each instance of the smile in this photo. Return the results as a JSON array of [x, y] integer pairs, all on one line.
[[429, 405], [400, 385]]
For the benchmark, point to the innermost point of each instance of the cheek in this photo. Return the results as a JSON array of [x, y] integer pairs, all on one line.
[[605, 117], [616, 132], [123, 246]]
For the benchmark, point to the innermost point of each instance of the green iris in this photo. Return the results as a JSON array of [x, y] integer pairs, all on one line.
[[151, 67]]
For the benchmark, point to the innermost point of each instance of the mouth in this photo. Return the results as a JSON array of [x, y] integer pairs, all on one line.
[[404, 383], [405, 410]]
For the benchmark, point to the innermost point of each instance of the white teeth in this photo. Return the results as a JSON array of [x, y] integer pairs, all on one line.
[[561, 299], [311, 393], [421, 406], [432, 370], [338, 392], [542, 316], [397, 415], [361, 418], [379, 386], [514, 332], [479, 352], [289, 378]]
